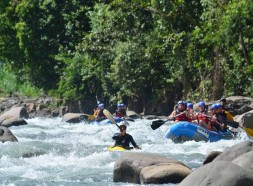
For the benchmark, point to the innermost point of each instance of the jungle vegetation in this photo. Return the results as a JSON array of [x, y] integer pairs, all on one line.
[[150, 52]]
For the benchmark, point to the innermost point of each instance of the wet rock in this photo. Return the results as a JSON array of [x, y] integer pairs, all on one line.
[[210, 157], [219, 173], [128, 167], [6, 135], [164, 173]]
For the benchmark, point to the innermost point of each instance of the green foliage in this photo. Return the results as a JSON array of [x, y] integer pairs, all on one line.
[[140, 49], [9, 84]]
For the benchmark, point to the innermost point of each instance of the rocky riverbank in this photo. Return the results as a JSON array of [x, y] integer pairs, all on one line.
[[36, 107]]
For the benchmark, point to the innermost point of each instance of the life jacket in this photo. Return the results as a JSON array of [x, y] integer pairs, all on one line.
[[96, 113], [119, 114], [182, 116], [202, 116], [101, 114]]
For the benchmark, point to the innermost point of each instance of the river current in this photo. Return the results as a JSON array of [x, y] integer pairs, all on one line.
[[52, 152]]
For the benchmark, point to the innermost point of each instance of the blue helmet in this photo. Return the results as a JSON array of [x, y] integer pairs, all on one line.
[[101, 105], [213, 107], [119, 105], [189, 105], [201, 104], [185, 103], [218, 105], [122, 104]]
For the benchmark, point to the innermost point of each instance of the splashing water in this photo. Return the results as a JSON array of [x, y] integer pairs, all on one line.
[[52, 152]]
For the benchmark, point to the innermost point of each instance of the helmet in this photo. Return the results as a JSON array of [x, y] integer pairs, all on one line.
[[218, 105], [123, 127], [189, 105], [213, 107], [223, 99], [185, 103], [122, 104], [201, 104], [119, 105], [101, 105], [180, 102]]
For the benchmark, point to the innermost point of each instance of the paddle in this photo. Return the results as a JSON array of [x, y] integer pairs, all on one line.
[[156, 124], [87, 116], [249, 131], [110, 117]]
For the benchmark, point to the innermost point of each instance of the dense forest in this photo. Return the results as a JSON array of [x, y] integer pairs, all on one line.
[[146, 53]]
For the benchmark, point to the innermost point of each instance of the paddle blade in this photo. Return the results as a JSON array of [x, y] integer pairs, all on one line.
[[109, 116], [249, 131], [156, 124], [91, 117]]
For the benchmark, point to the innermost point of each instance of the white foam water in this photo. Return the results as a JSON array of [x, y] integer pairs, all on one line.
[[52, 152]]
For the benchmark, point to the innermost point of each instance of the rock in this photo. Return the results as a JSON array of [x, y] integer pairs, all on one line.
[[246, 120], [16, 112], [210, 157], [245, 161], [150, 117], [164, 173], [128, 167], [6, 135], [13, 122], [235, 151], [219, 173], [72, 117], [132, 114], [14, 117]]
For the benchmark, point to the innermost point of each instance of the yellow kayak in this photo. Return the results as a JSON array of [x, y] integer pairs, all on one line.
[[116, 148]]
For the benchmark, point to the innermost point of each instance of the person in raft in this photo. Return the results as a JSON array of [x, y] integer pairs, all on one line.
[[202, 117], [98, 113], [223, 103], [120, 112], [191, 112], [123, 139], [180, 113]]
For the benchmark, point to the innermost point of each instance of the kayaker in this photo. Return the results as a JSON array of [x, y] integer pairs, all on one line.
[[98, 113], [120, 112], [180, 114], [124, 139], [202, 118]]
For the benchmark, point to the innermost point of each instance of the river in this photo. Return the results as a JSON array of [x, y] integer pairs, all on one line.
[[76, 154]]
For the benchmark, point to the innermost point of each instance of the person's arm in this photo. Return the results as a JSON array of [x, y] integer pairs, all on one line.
[[171, 116], [133, 142], [116, 136]]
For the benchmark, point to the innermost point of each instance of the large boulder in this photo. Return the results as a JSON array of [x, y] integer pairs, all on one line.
[[8, 122], [238, 105], [245, 161], [164, 173], [246, 120], [128, 167], [14, 117], [6, 135], [235, 151], [219, 173], [132, 114], [15, 112], [210, 157], [72, 117]]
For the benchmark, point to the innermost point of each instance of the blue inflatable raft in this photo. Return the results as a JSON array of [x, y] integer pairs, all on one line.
[[107, 121], [186, 131]]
